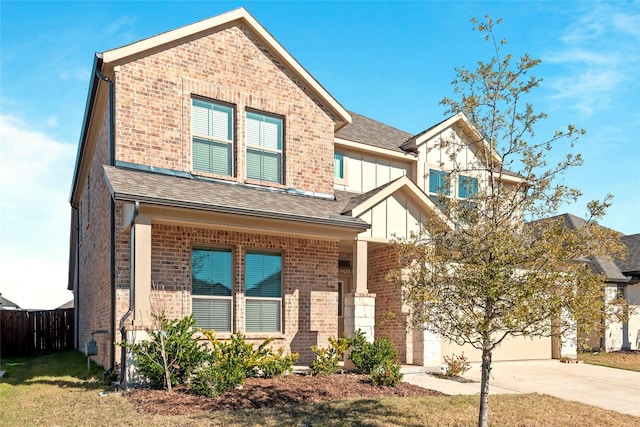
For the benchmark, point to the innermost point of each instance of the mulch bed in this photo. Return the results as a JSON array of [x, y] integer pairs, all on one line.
[[268, 392]]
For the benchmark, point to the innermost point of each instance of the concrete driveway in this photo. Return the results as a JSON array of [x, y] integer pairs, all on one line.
[[607, 388]]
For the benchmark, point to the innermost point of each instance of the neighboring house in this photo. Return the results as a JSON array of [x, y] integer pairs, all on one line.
[[622, 280], [66, 305], [5, 304], [216, 177]]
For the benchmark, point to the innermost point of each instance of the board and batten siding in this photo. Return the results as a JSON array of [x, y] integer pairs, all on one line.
[[365, 172], [395, 216]]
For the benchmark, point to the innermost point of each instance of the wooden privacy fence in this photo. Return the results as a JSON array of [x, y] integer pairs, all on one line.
[[26, 333]]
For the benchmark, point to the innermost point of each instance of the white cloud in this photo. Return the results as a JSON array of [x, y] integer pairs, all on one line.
[[35, 172], [588, 90], [627, 23], [597, 59], [117, 25]]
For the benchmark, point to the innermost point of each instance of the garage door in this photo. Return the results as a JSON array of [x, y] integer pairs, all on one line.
[[512, 348]]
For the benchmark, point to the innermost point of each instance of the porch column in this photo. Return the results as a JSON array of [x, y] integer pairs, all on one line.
[[359, 307], [141, 262]]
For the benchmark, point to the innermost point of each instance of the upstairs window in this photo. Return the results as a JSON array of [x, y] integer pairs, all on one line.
[[211, 285], [212, 137], [264, 147], [338, 166], [438, 182], [467, 187], [438, 185], [263, 292]]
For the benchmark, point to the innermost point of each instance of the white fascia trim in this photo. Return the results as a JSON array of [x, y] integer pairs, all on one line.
[[358, 146], [120, 55], [450, 122], [417, 194], [509, 179]]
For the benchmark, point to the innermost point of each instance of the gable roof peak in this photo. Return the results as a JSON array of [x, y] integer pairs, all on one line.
[[141, 48]]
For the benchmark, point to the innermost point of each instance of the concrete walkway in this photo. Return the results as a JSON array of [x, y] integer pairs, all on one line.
[[608, 388]]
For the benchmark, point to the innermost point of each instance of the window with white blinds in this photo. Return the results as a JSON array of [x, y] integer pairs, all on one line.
[[211, 288], [264, 147], [263, 292], [212, 137]]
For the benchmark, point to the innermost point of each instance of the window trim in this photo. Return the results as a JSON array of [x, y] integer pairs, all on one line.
[[232, 143], [281, 152], [230, 298]]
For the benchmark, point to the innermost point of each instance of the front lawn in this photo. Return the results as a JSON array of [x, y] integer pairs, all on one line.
[[629, 360], [57, 390]]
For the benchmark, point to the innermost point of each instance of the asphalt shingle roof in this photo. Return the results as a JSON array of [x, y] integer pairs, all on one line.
[[632, 262], [607, 266], [193, 193], [372, 132]]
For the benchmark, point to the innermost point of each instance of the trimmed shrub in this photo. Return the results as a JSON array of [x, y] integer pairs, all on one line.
[[229, 363], [386, 373], [328, 359], [366, 355], [171, 351]]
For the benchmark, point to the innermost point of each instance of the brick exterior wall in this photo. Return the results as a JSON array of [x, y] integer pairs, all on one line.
[[94, 252], [309, 279], [152, 127], [390, 322], [153, 99]]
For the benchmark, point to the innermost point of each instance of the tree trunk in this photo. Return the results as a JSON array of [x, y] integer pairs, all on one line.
[[483, 413], [163, 351]]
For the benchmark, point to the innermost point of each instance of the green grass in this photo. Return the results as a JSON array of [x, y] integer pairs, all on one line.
[[57, 390], [628, 361]]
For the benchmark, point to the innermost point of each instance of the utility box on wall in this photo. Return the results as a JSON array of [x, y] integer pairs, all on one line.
[[91, 348]]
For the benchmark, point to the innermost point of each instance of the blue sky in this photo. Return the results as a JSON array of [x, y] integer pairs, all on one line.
[[392, 61]]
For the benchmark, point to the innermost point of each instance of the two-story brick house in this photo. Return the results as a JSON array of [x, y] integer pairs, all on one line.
[[216, 177]]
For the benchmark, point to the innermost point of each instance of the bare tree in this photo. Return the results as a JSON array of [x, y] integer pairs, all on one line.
[[504, 271]]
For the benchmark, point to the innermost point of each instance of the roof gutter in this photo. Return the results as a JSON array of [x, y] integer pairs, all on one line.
[[112, 151], [86, 122]]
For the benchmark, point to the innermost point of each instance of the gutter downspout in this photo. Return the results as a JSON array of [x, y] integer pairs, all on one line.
[[112, 152], [132, 287], [76, 294]]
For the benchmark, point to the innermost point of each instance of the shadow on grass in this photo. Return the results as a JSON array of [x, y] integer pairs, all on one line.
[[364, 412], [67, 369]]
